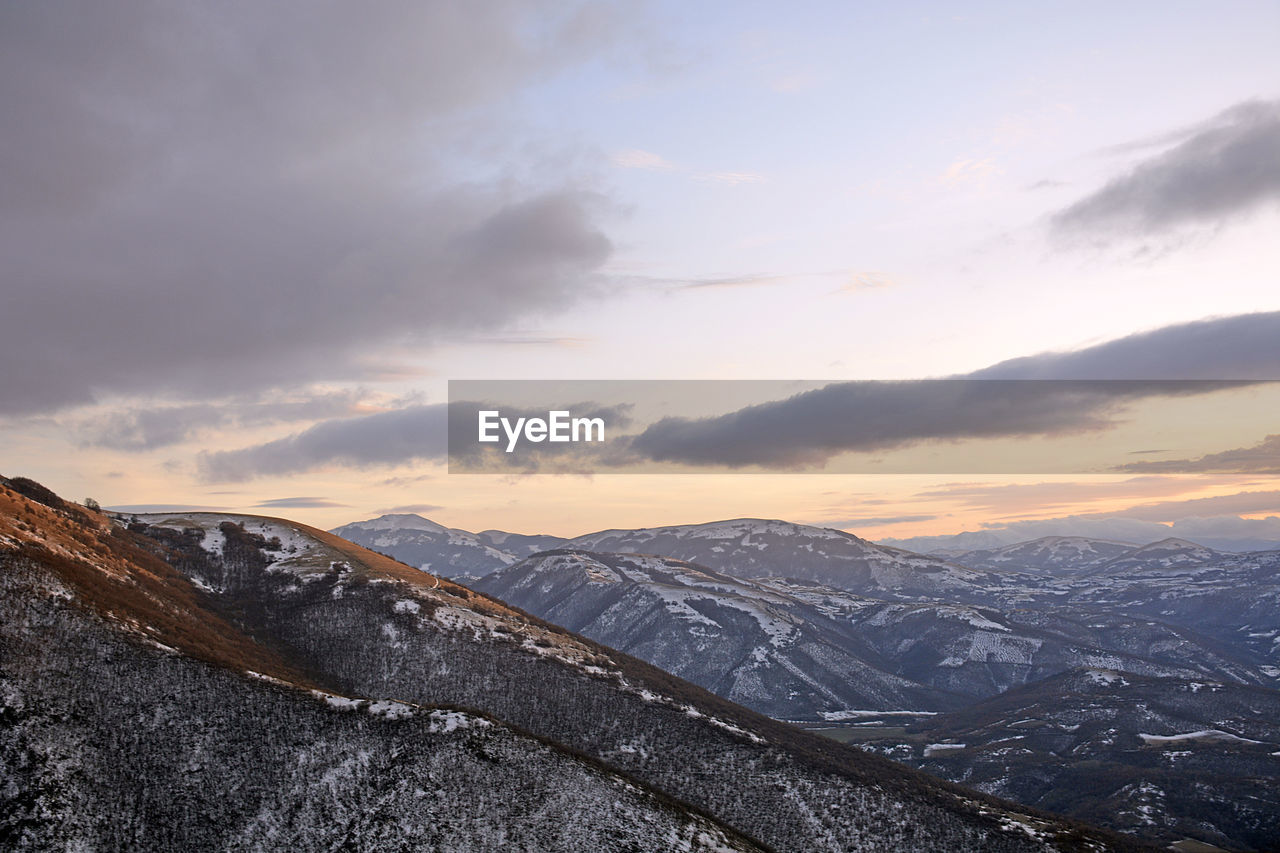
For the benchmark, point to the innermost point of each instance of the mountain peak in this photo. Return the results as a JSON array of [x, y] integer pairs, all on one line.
[[1172, 543], [399, 520]]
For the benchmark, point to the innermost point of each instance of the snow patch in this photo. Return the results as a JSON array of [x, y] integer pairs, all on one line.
[[1204, 734]]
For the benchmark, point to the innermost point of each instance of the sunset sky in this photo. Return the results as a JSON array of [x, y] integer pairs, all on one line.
[[245, 245]]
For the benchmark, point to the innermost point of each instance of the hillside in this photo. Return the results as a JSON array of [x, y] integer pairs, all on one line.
[[759, 548], [223, 597], [1163, 757]]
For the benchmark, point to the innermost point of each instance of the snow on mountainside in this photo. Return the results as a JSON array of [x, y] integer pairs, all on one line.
[[432, 547], [747, 642], [520, 544], [1047, 554], [1164, 757], [1166, 554], [758, 548], [135, 718], [399, 521], [809, 651], [259, 763]]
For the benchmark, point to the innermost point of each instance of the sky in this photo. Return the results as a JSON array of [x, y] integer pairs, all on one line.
[[245, 246]]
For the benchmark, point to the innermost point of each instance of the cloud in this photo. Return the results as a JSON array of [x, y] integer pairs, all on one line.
[[561, 341], [417, 509], [1215, 521], [733, 281], [142, 428], [867, 280], [1246, 346], [1228, 532], [967, 171], [386, 438], [1225, 167], [635, 158], [743, 280], [843, 523], [733, 179], [1262, 458], [299, 503], [1021, 499], [809, 428], [1242, 503], [208, 199], [412, 434], [466, 455]]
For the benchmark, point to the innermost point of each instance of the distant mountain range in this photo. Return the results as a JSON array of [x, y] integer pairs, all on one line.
[[823, 627], [202, 681], [1226, 533]]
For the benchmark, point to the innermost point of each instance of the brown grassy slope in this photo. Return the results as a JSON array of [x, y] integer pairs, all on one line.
[[109, 572]]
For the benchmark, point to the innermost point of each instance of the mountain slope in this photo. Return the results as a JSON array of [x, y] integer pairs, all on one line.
[[1048, 554], [133, 721], [802, 651], [740, 639], [1159, 556], [445, 551], [758, 548], [430, 641], [359, 624], [1164, 757]]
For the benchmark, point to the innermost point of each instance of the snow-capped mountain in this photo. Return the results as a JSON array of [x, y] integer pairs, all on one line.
[[1049, 554], [432, 547], [1159, 556], [741, 639], [801, 651], [759, 548], [520, 544]]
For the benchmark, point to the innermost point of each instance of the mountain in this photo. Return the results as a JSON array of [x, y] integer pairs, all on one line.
[[245, 682], [757, 548], [981, 651], [1159, 556], [135, 718], [432, 547], [520, 544], [1164, 757], [801, 651], [1049, 554], [740, 639]]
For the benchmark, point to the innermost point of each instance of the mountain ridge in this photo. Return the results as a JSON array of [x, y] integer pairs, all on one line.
[[424, 640]]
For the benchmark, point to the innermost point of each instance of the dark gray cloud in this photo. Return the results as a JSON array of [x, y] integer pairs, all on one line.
[[142, 429], [467, 455], [808, 429], [299, 503], [1246, 346], [386, 438], [1262, 458], [203, 198], [1229, 165], [414, 433]]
